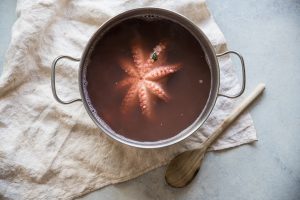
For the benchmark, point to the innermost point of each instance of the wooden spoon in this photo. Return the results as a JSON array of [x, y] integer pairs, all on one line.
[[184, 167]]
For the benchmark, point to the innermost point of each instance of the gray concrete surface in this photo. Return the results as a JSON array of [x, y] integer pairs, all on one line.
[[267, 33], [7, 18]]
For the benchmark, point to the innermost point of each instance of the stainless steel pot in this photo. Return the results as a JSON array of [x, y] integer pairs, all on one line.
[[211, 58]]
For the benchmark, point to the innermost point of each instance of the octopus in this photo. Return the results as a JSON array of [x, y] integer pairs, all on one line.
[[144, 75]]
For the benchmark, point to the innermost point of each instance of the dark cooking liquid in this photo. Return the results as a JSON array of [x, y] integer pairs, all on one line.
[[188, 88]]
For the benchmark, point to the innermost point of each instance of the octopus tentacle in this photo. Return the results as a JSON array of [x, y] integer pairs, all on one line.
[[128, 68], [157, 90], [130, 98], [137, 55], [160, 72], [159, 50], [145, 101], [126, 82]]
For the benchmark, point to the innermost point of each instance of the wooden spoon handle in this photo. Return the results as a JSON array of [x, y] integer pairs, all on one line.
[[235, 113]]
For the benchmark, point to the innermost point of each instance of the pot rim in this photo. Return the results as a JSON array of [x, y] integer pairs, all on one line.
[[211, 59]]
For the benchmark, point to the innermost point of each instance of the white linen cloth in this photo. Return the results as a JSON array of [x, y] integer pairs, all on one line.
[[54, 151]]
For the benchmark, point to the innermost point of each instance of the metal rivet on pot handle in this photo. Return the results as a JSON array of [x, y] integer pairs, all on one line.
[[53, 79], [243, 72]]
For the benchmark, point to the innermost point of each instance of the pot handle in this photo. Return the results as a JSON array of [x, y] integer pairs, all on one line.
[[243, 73], [53, 79]]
